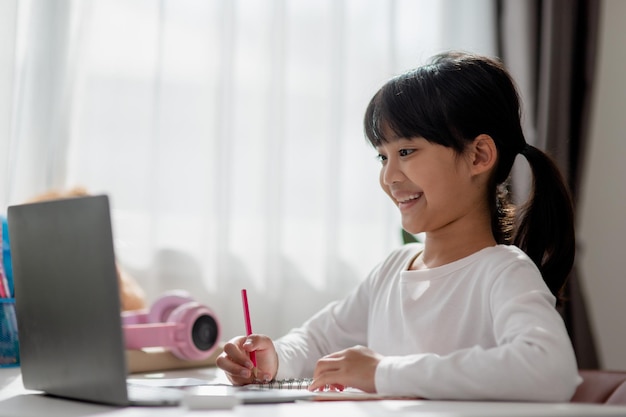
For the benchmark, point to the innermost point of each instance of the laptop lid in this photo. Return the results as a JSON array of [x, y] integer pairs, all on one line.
[[67, 299]]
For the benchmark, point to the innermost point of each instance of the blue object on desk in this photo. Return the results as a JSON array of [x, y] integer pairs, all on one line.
[[6, 255], [9, 343]]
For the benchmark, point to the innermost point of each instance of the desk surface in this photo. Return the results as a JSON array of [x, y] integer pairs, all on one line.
[[16, 401]]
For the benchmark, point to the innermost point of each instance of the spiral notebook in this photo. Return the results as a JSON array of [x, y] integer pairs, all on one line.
[[302, 384], [284, 390]]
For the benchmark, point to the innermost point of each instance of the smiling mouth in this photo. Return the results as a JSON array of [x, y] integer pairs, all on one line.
[[410, 198]]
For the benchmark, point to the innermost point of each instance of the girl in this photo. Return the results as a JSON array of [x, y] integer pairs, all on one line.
[[469, 314]]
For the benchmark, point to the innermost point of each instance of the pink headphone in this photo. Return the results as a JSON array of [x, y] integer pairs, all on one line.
[[174, 321]]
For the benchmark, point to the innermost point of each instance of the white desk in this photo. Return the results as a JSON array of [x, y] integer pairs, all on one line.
[[15, 401]]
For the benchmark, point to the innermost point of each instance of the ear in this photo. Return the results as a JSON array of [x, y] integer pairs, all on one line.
[[483, 154]]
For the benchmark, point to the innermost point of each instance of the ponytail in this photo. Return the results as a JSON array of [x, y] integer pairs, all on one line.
[[546, 221]]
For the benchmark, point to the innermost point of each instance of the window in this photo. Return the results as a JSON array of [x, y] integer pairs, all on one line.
[[228, 134]]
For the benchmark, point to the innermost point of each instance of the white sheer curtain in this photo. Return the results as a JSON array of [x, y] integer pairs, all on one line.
[[227, 134]]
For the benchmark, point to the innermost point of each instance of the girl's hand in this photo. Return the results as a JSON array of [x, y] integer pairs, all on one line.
[[235, 359], [353, 367]]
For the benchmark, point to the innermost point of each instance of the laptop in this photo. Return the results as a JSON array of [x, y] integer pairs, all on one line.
[[68, 306]]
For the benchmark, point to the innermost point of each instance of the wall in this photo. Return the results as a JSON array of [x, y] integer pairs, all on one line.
[[602, 208]]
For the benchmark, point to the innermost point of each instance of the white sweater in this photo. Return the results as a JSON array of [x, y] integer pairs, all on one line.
[[481, 328]]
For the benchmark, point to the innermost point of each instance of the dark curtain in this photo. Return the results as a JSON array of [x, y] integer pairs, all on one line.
[[550, 48]]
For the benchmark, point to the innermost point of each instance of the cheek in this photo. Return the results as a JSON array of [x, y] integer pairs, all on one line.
[[382, 183]]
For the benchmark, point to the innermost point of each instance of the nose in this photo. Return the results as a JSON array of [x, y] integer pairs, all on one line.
[[391, 173]]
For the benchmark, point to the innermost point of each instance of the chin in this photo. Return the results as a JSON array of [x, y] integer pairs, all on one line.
[[412, 230]]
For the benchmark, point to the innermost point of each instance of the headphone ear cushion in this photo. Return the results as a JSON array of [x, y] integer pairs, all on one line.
[[197, 333], [161, 309]]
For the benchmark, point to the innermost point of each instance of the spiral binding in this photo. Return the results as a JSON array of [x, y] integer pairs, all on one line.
[[291, 383]]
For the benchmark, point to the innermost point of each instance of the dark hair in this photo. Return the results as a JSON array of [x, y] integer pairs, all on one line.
[[451, 101]]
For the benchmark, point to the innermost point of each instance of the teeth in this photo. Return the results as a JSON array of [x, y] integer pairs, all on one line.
[[409, 198]]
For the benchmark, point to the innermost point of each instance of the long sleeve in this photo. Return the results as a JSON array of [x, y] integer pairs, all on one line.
[[339, 325], [481, 328], [532, 359], [498, 335]]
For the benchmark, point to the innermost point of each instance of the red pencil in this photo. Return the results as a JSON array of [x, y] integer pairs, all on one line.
[[246, 317]]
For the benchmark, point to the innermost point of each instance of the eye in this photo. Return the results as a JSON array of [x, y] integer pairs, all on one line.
[[381, 158], [405, 152]]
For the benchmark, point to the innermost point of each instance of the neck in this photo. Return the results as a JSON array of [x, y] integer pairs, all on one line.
[[445, 246]]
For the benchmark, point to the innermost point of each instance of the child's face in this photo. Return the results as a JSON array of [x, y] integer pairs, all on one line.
[[431, 184]]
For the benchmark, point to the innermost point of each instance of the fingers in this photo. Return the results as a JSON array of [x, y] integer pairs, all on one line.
[[323, 383], [353, 367], [266, 356], [319, 385], [327, 374], [236, 363]]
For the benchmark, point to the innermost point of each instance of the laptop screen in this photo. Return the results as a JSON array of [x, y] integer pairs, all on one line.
[[67, 301]]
